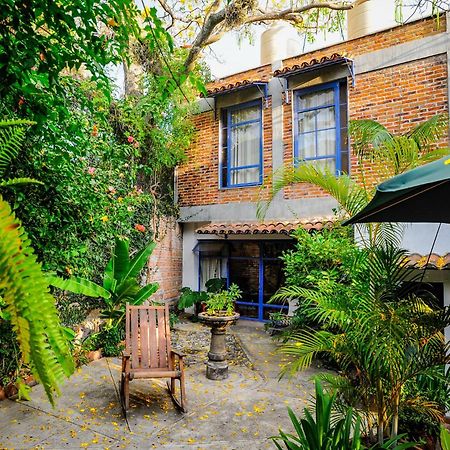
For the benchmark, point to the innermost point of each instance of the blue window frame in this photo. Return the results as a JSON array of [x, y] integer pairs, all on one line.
[[242, 145], [320, 126]]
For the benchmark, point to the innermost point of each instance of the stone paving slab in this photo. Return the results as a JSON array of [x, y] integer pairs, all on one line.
[[238, 413]]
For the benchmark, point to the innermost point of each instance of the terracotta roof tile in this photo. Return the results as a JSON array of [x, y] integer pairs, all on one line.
[[305, 66], [219, 89], [264, 227], [434, 261]]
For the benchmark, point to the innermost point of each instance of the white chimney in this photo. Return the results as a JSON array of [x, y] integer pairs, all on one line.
[[279, 42], [370, 16]]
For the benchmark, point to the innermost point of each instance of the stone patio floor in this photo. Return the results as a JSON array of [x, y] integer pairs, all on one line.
[[238, 413]]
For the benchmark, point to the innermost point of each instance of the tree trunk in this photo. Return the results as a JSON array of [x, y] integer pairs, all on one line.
[[380, 412], [394, 429]]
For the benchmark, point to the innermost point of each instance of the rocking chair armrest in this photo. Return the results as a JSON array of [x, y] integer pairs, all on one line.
[[178, 353]]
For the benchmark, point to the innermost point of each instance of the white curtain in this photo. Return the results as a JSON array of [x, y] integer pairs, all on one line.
[[320, 123], [245, 145], [211, 268]]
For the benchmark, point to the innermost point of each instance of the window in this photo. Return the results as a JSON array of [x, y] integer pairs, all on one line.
[[320, 115], [241, 162]]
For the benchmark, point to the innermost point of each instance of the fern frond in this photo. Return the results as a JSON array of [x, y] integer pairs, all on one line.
[[12, 133], [31, 307], [13, 182]]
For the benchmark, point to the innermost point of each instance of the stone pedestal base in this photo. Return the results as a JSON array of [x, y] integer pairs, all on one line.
[[216, 370]]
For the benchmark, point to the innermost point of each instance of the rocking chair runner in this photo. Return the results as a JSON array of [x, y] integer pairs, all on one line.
[[148, 353]]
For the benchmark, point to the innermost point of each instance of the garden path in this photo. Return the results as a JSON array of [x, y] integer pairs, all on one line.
[[238, 413]]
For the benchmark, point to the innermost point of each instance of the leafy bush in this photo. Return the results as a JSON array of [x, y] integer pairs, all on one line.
[[109, 340], [330, 255], [190, 298]]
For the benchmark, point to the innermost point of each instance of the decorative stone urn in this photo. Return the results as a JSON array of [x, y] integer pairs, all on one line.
[[217, 365]]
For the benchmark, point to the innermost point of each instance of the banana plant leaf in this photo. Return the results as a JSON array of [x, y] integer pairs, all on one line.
[[121, 260], [419, 195], [77, 286], [139, 261], [145, 293]]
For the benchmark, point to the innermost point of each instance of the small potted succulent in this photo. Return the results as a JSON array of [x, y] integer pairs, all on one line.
[[219, 314]]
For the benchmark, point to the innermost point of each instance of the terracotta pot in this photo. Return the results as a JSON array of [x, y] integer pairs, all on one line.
[[2, 394], [93, 355], [11, 390], [30, 381]]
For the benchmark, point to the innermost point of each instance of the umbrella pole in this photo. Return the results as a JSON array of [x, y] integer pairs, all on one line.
[[431, 251]]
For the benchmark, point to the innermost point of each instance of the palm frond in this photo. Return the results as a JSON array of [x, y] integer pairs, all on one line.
[[304, 346], [429, 131], [350, 196], [367, 133]]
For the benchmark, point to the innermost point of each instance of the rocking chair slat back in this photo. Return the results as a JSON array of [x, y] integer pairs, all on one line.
[[148, 337]]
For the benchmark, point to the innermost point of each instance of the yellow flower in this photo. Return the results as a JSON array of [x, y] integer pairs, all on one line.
[[105, 219], [120, 199]]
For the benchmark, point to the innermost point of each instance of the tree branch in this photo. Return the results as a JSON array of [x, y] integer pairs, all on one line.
[[209, 34], [294, 14]]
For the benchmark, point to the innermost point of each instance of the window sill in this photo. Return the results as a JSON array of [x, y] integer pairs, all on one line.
[[239, 186]]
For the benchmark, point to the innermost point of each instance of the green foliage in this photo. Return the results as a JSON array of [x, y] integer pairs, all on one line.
[[78, 285], [324, 433], [434, 388], [41, 38], [214, 285], [380, 333], [12, 134], [445, 438], [109, 339], [190, 298], [30, 306], [222, 302], [106, 168]]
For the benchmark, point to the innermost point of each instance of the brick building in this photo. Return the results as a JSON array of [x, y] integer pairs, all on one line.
[[254, 122]]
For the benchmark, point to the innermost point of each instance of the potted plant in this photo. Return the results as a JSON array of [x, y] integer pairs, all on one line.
[[278, 321], [219, 314]]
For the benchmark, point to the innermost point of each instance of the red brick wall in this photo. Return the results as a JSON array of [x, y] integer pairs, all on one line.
[[165, 264], [396, 96], [198, 178]]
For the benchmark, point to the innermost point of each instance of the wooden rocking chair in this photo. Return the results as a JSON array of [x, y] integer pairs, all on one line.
[[148, 353]]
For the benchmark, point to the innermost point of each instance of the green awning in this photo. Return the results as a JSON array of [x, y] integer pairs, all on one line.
[[419, 195]]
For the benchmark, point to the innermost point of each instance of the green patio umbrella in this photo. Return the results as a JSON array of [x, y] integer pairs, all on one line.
[[419, 195]]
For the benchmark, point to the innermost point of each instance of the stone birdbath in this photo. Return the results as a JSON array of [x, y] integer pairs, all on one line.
[[217, 365]]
